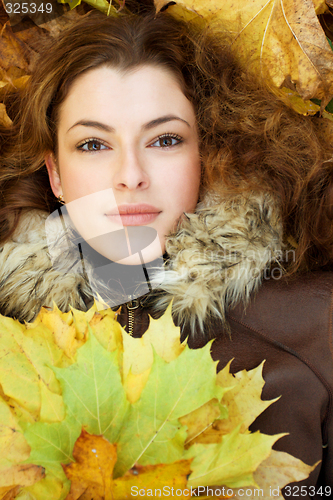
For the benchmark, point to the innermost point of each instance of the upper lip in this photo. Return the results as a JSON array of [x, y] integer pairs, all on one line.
[[141, 208]]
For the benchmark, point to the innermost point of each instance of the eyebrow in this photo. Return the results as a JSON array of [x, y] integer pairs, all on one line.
[[146, 126]]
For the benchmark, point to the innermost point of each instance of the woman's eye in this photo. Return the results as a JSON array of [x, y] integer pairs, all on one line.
[[166, 141], [91, 145]]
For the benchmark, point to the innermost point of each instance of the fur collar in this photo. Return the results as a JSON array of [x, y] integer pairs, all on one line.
[[217, 258]]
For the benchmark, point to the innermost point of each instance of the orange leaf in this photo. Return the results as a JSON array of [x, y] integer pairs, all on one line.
[[91, 474]]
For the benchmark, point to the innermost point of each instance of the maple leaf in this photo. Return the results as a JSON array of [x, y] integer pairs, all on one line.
[[278, 470], [52, 444], [243, 400], [151, 478], [137, 358], [282, 40], [231, 462], [30, 359], [91, 475], [93, 392], [153, 433], [95, 459]]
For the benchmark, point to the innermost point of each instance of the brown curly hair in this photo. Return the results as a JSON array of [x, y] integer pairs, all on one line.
[[249, 139]]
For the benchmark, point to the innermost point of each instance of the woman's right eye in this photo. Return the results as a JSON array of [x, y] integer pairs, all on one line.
[[92, 146]]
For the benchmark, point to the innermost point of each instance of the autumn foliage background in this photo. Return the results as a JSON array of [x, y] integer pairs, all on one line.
[[87, 411]]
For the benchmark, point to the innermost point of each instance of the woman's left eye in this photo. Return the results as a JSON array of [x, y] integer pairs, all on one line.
[[167, 141], [92, 145]]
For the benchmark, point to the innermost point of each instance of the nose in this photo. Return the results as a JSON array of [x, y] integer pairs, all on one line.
[[130, 173]]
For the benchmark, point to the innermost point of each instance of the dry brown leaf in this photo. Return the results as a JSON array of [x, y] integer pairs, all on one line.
[[278, 470], [20, 46], [12, 53], [38, 16], [283, 41], [58, 24]]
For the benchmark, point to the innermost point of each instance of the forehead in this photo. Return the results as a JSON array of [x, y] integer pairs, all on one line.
[[111, 94]]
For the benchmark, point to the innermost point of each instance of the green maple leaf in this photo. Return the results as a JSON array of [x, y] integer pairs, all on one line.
[[50, 488], [52, 444], [94, 398], [93, 392], [153, 433]]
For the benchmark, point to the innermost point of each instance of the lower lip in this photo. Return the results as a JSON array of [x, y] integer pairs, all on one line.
[[133, 219]]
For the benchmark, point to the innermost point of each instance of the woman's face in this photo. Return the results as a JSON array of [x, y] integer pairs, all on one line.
[[127, 142]]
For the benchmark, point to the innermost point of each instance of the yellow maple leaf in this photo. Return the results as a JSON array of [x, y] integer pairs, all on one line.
[[106, 329], [161, 336], [152, 478], [243, 400], [64, 332], [240, 406]]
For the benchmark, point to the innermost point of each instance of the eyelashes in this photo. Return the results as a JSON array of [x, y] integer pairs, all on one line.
[[91, 141], [164, 141]]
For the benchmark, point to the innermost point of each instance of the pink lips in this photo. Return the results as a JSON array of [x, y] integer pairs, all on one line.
[[134, 215]]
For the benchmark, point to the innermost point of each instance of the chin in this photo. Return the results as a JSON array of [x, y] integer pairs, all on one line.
[[139, 251]]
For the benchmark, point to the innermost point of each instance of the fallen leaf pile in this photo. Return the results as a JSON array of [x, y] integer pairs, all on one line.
[[88, 412], [22, 39], [282, 41]]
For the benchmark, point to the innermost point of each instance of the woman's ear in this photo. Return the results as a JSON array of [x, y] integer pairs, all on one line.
[[54, 176]]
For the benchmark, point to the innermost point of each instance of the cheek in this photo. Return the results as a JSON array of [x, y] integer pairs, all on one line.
[[181, 190], [78, 182], [189, 184]]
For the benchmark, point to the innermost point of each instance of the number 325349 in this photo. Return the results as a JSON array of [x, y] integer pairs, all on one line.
[[303, 491], [27, 8]]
